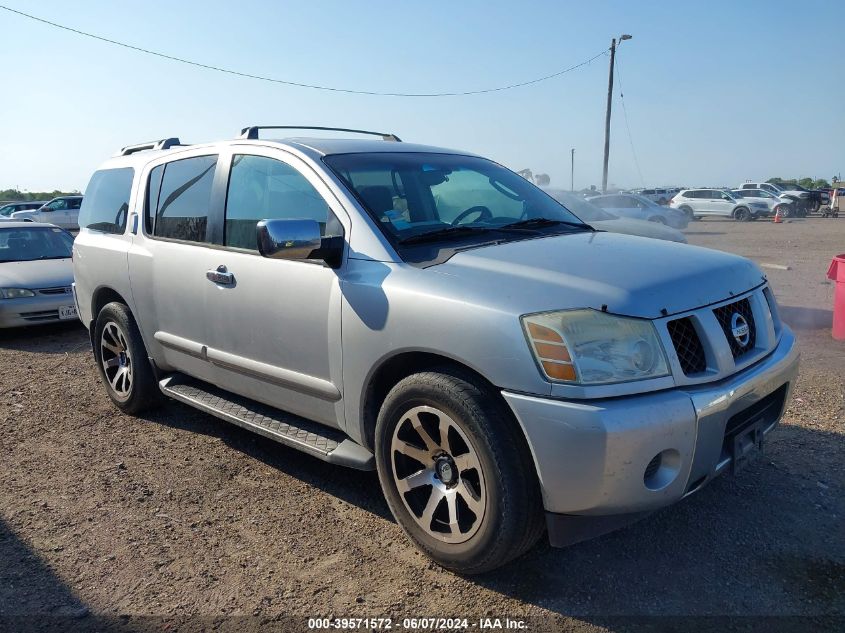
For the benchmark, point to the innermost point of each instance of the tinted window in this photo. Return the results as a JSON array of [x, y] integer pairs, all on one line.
[[106, 203], [263, 188], [151, 201], [749, 185], [184, 199], [74, 203], [695, 194]]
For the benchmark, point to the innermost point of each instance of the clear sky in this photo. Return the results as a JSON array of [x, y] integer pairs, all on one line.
[[716, 92]]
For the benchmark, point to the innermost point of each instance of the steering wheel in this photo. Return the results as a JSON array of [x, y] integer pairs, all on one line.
[[485, 214]]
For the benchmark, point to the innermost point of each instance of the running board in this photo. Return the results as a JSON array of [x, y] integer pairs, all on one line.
[[313, 438]]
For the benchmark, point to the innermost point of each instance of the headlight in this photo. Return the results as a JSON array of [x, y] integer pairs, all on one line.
[[15, 293], [589, 347]]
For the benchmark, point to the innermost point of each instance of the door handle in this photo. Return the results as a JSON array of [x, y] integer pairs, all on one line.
[[220, 276]]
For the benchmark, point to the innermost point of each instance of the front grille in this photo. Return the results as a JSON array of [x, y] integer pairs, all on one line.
[[725, 314], [687, 345], [65, 290], [43, 315]]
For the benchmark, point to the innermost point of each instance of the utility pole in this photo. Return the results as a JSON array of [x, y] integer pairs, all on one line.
[[572, 172], [622, 38]]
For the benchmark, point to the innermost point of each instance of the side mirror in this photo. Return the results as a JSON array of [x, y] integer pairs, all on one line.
[[297, 239]]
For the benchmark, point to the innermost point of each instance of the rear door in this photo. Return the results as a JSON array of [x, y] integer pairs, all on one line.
[[169, 259]]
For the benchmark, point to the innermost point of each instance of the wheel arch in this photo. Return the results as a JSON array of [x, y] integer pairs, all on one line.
[[400, 365]]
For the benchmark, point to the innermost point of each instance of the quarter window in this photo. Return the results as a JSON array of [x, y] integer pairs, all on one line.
[[106, 204], [262, 188], [185, 198]]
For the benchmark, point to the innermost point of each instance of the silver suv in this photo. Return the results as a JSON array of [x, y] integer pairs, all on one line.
[[433, 315], [697, 203]]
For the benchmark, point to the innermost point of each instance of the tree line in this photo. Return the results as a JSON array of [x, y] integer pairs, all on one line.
[[807, 183], [13, 195]]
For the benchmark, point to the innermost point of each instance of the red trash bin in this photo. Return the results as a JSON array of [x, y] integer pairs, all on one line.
[[836, 272]]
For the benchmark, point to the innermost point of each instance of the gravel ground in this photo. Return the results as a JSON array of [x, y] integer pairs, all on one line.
[[180, 521]]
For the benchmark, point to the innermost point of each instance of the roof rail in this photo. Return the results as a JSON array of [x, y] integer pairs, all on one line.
[[251, 132], [165, 143]]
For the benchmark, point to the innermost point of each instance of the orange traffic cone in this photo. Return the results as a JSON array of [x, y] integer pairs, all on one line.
[[777, 219]]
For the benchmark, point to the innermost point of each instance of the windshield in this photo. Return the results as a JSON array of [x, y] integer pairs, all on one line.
[[446, 195], [22, 245], [587, 211], [7, 210]]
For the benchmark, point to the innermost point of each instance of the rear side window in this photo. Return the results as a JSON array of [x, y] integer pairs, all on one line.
[[184, 199], [106, 203], [262, 188]]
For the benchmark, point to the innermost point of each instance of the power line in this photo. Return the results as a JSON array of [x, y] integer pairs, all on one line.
[[237, 73], [627, 126]]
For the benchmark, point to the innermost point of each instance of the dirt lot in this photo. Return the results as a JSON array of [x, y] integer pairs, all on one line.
[[187, 519]]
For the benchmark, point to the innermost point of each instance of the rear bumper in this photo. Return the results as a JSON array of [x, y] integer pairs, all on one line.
[[592, 456]]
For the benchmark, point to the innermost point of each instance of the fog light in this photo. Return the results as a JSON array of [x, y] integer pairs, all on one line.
[[662, 470]]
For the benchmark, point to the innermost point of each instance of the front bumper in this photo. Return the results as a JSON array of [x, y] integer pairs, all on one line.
[[592, 455], [36, 310]]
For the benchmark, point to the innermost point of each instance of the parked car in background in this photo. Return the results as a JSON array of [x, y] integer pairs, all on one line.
[[803, 200], [8, 209], [62, 211], [506, 369], [603, 220], [636, 207], [36, 274], [696, 203], [659, 195], [774, 203]]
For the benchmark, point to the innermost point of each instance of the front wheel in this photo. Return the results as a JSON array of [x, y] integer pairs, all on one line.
[[456, 472], [689, 212], [742, 215], [122, 360]]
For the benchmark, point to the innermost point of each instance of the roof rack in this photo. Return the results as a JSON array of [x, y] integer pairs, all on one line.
[[251, 132], [165, 143]]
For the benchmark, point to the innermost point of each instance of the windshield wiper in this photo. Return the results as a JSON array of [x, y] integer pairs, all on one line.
[[541, 222], [447, 231]]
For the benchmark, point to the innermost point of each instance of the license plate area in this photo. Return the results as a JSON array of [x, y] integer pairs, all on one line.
[[744, 431], [746, 446], [67, 312]]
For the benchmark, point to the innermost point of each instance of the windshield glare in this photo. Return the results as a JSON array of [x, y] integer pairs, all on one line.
[[21, 245], [411, 194]]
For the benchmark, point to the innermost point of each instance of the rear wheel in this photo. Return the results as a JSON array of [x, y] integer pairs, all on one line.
[[122, 360], [456, 472]]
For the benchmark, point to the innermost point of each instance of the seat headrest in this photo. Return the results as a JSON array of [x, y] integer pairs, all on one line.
[[378, 198]]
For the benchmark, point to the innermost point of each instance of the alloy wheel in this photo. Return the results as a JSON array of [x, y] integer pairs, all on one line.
[[116, 360], [437, 472]]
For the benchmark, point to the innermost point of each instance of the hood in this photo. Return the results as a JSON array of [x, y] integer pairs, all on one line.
[[632, 276], [45, 273], [642, 228]]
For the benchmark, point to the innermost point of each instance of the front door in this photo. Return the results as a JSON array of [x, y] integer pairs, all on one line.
[[274, 325]]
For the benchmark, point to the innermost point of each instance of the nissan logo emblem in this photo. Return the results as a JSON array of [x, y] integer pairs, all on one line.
[[740, 329]]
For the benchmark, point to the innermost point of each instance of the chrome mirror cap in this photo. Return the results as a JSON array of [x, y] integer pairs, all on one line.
[[289, 239]]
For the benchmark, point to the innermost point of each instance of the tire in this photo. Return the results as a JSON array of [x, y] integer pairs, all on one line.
[[689, 212], [786, 211], [484, 456], [742, 214], [119, 349]]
